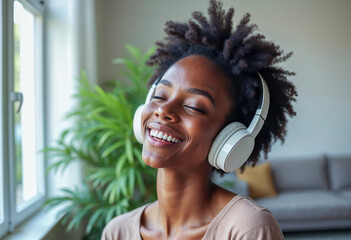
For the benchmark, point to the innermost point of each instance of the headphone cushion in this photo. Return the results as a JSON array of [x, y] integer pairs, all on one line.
[[137, 129], [221, 138]]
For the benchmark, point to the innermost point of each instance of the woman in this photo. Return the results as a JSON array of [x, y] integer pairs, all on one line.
[[207, 77]]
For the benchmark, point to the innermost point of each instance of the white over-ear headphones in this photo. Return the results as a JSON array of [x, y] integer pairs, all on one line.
[[234, 144]]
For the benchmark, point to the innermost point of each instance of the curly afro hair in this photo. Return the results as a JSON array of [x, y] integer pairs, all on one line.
[[241, 53]]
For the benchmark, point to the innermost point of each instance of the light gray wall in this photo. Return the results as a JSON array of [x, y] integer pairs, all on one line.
[[63, 64], [317, 31]]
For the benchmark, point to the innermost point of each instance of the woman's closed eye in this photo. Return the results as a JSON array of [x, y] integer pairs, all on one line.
[[158, 97], [195, 109]]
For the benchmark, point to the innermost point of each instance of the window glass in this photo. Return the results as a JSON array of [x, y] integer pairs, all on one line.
[[27, 111]]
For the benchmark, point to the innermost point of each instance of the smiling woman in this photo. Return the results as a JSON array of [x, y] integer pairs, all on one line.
[[208, 89]]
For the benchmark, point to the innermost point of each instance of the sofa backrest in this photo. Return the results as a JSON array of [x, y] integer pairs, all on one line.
[[300, 174], [339, 172]]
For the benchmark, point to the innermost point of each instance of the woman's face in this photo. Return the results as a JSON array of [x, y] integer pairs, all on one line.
[[188, 110]]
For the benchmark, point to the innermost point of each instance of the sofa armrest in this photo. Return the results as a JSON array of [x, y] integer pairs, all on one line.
[[236, 186], [241, 187], [231, 183]]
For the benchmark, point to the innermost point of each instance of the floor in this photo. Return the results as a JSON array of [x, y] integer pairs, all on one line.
[[322, 235]]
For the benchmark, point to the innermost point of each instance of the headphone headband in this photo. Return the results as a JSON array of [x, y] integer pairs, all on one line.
[[262, 111], [152, 90]]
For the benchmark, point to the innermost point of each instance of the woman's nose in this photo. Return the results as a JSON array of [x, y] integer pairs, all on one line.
[[166, 112]]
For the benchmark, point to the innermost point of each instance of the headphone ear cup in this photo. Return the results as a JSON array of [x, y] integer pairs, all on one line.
[[231, 148], [137, 129], [219, 141]]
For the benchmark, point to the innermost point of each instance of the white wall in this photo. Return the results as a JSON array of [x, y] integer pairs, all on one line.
[[60, 83], [70, 44], [317, 31]]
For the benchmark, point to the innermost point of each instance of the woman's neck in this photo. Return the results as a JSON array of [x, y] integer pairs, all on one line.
[[184, 198]]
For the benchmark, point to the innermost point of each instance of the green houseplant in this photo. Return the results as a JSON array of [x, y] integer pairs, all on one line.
[[116, 178]]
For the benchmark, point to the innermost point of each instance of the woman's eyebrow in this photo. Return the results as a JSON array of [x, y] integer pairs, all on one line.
[[166, 83], [200, 92], [190, 90]]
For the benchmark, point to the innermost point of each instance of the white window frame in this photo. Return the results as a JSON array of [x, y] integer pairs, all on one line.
[[13, 216], [3, 134]]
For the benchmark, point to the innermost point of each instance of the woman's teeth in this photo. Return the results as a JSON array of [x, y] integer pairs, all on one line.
[[163, 136]]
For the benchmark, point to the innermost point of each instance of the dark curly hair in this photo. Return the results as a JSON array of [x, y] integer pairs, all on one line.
[[241, 53]]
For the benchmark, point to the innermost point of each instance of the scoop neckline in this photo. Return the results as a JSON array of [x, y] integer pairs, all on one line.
[[213, 224]]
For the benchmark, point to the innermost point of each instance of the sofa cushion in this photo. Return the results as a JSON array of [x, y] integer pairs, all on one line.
[[346, 193], [259, 179], [300, 174], [301, 205], [339, 172]]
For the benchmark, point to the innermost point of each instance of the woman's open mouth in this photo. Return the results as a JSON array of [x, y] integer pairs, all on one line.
[[164, 137]]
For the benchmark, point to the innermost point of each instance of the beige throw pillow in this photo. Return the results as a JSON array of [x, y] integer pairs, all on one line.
[[259, 179]]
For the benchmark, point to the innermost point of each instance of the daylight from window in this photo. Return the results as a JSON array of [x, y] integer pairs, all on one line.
[[25, 109]]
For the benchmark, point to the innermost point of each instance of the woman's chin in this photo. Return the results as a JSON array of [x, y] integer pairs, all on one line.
[[153, 161]]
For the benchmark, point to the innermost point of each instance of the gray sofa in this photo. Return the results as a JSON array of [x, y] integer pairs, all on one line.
[[313, 193]]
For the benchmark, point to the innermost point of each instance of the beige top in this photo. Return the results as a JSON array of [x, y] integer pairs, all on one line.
[[240, 219]]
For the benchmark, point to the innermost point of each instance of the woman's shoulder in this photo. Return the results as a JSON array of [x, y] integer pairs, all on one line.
[[123, 226], [248, 209], [243, 218]]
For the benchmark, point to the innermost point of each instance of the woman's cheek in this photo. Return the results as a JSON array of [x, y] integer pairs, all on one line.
[[202, 130]]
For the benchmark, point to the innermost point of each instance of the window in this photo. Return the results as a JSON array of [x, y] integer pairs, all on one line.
[[21, 165]]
